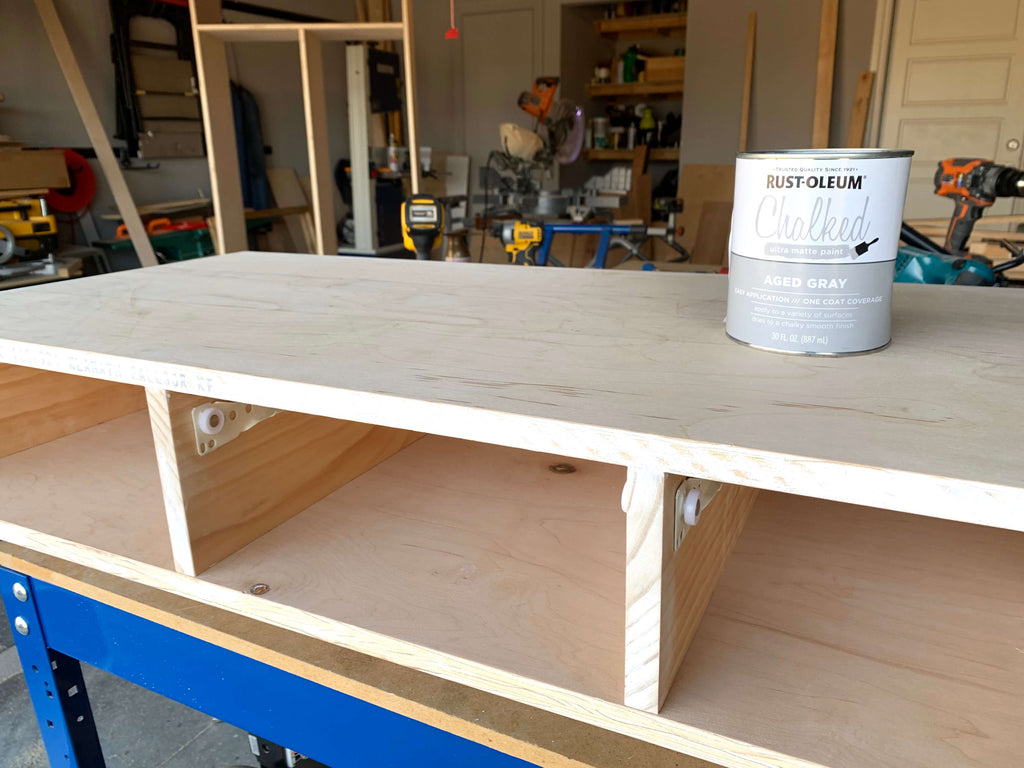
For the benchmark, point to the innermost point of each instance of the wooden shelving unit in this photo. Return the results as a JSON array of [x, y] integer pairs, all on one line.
[[662, 154], [639, 27], [635, 90]]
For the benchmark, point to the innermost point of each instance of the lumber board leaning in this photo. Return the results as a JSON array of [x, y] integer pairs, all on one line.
[[409, 62], [668, 590], [826, 71], [97, 133], [219, 127], [748, 81], [315, 103], [219, 502], [861, 105], [39, 406]]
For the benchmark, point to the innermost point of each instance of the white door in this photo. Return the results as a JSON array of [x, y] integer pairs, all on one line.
[[955, 89], [501, 47]]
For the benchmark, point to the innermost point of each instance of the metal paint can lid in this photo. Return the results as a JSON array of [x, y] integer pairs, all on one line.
[[826, 154]]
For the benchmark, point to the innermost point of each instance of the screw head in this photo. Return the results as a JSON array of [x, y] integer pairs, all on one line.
[[259, 589], [562, 469], [20, 592], [21, 625]]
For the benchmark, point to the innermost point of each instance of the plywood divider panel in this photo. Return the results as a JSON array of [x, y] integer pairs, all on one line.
[[39, 406], [219, 502], [668, 590]]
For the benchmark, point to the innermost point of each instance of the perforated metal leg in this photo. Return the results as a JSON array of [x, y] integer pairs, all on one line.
[[54, 682]]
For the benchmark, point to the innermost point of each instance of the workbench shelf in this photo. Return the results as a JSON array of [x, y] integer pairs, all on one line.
[[783, 631]]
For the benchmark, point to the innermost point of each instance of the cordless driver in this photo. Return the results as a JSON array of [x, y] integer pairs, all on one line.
[[973, 185]]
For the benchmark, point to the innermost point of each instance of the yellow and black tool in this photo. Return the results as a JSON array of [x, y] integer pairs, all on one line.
[[521, 240], [422, 224], [26, 227]]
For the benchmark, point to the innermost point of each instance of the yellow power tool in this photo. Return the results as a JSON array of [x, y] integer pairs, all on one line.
[[422, 224], [521, 240], [26, 227]]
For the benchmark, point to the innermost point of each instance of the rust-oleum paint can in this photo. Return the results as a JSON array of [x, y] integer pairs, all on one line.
[[813, 246]]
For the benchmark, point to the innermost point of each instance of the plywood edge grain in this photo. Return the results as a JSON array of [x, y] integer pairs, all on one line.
[[668, 589], [37, 406], [649, 728], [950, 498], [219, 502]]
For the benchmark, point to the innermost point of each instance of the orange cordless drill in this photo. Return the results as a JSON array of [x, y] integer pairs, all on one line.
[[973, 185]]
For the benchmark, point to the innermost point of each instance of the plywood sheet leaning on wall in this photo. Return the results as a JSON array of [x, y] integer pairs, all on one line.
[[698, 186]]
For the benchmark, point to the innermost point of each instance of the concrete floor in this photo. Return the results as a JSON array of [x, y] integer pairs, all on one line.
[[138, 729]]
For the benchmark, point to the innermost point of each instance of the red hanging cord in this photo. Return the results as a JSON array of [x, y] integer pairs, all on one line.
[[452, 33]]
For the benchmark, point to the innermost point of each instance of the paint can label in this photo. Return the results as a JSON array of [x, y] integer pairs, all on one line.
[[813, 249]]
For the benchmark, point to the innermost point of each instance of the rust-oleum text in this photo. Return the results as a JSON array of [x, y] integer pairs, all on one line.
[[814, 182]]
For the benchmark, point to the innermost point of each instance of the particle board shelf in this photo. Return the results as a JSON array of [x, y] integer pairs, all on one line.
[[649, 90], [639, 27], [283, 33], [401, 503], [661, 154]]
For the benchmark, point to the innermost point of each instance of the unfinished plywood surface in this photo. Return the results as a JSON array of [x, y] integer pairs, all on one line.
[[859, 637], [472, 549], [38, 406], [98, 487], [624, 367]]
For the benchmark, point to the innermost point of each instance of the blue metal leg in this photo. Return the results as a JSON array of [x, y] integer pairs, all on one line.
[[54, 682], [320, 722]]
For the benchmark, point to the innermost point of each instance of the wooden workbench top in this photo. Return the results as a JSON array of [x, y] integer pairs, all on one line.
[[626, 368]]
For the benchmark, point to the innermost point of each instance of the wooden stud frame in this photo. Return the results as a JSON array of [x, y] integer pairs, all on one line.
[[211, 38]]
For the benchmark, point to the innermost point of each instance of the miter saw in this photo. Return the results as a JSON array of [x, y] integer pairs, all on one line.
[[513, 174]]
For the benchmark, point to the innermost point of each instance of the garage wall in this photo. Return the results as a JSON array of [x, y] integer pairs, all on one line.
[[785, 71], [39, 109]]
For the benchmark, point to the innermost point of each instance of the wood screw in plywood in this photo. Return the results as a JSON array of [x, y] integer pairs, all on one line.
[[259, 589], [562, 469]]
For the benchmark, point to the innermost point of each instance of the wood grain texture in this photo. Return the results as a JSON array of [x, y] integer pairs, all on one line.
[[219, 502], [475, 550], [700, 184], [96, 487], [39, 406], [219, 128], [826, 71], [859, 637], [409, 67], [618, 366], [838, 636], [668, 590], [321, 183], [97, 133], [287, 191], [567, 591], [520, 730], [748, 81], [861, 109], [712, 243]]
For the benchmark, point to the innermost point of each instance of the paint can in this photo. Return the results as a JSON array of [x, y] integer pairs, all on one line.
[[813, 249]]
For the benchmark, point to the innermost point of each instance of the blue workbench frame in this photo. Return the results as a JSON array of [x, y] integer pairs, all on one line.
[[64, 628]]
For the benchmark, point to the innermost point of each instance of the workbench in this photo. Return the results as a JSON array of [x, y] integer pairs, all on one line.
[[457, 503]]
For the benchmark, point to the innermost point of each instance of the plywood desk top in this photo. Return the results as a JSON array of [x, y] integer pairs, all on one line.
[[625, 368]]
